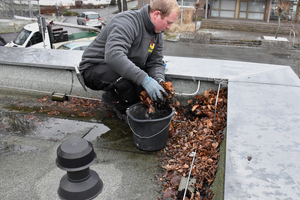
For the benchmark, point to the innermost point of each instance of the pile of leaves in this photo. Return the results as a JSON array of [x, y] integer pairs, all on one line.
[[168, 101], [197, 127], [74, 107]]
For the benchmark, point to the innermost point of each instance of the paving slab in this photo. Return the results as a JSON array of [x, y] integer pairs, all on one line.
[[262, 142]]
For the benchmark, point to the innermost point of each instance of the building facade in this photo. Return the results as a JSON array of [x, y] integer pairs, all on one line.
[[60, 2], [238, 9], [249, 9]]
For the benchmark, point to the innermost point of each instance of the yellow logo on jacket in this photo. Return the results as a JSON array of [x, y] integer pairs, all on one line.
[[151, 47]]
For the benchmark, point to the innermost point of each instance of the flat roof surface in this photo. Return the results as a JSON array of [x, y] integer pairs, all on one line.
[[262, 127]]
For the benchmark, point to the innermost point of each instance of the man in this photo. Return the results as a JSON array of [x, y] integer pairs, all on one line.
[[127, 55], [208, 7]]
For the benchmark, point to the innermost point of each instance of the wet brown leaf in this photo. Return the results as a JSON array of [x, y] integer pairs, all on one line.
[[215, 145], [44, 99], [175, 180], [53, 112], [185, 166], [83, 114], [209, 161], [195, 107], [168, 193]]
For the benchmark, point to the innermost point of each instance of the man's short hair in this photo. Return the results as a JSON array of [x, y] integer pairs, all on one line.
[[165, 7]]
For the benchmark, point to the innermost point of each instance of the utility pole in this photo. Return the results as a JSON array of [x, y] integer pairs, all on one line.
[[181, 12], [269, 11], [206, 6]]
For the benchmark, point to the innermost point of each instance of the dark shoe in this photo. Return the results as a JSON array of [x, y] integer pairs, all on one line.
[[119, 107]]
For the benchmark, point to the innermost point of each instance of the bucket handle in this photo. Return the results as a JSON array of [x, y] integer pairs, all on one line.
[[142, 137]]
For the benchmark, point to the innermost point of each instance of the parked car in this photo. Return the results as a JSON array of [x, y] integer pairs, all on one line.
[[77, 45], [89, 18]]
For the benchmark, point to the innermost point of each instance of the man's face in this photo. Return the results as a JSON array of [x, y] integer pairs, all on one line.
[[165, 23]]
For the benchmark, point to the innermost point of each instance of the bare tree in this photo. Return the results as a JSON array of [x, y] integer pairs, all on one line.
[[196, 6], [282, 8], [297, 11], [122, 5], [125, 5], [119, 5]]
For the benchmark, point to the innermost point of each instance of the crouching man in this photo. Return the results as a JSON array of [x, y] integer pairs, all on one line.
[[126, 57]]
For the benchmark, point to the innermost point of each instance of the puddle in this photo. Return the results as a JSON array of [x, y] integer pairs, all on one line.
[[22, 118], [48, 127]]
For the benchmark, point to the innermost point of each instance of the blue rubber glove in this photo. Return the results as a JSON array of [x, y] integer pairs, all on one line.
[[153, 89]]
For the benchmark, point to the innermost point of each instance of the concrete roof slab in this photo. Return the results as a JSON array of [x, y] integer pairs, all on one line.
[[193, 67], [262, 142], [40, 58], [201, 69], [282, 75]]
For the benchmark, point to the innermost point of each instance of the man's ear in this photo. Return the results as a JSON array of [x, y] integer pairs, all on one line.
[[156, 14]]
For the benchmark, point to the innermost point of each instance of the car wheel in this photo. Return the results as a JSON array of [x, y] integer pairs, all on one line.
[[78, 22]]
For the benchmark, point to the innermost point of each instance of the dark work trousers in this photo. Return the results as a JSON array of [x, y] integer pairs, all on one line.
[[103, 78]]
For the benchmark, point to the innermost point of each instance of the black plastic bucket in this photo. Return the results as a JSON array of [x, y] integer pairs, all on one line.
[[150, 131]]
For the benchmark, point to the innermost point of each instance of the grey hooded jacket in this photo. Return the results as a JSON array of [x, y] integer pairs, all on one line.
[[126, 46]]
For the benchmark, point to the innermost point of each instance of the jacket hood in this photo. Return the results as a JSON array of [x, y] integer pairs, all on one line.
[[147, 20]]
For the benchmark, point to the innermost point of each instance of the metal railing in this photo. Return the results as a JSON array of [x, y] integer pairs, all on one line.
[[292, 31]]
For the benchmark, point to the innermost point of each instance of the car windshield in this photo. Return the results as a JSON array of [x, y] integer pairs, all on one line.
[[93, 16], [22, 37], [82, 48], [63, 47]]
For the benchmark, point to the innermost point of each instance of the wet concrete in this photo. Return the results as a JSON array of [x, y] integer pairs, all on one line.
[[28, 144]]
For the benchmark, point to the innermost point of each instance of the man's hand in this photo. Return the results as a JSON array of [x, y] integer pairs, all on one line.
[[153, 89]]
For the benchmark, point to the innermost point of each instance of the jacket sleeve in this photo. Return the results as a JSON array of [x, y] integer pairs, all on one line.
[[121, 35], [155, 65]]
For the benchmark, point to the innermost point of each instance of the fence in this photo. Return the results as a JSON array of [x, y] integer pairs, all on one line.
[[24, 8]]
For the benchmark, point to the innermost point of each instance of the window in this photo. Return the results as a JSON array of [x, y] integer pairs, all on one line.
[[92, 16], [257, 6], [227, 14], [259, 16], [256, 9], [216, 4], [223, 8], [22, 37], [35, 39], [228, 5], [63, 47]]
